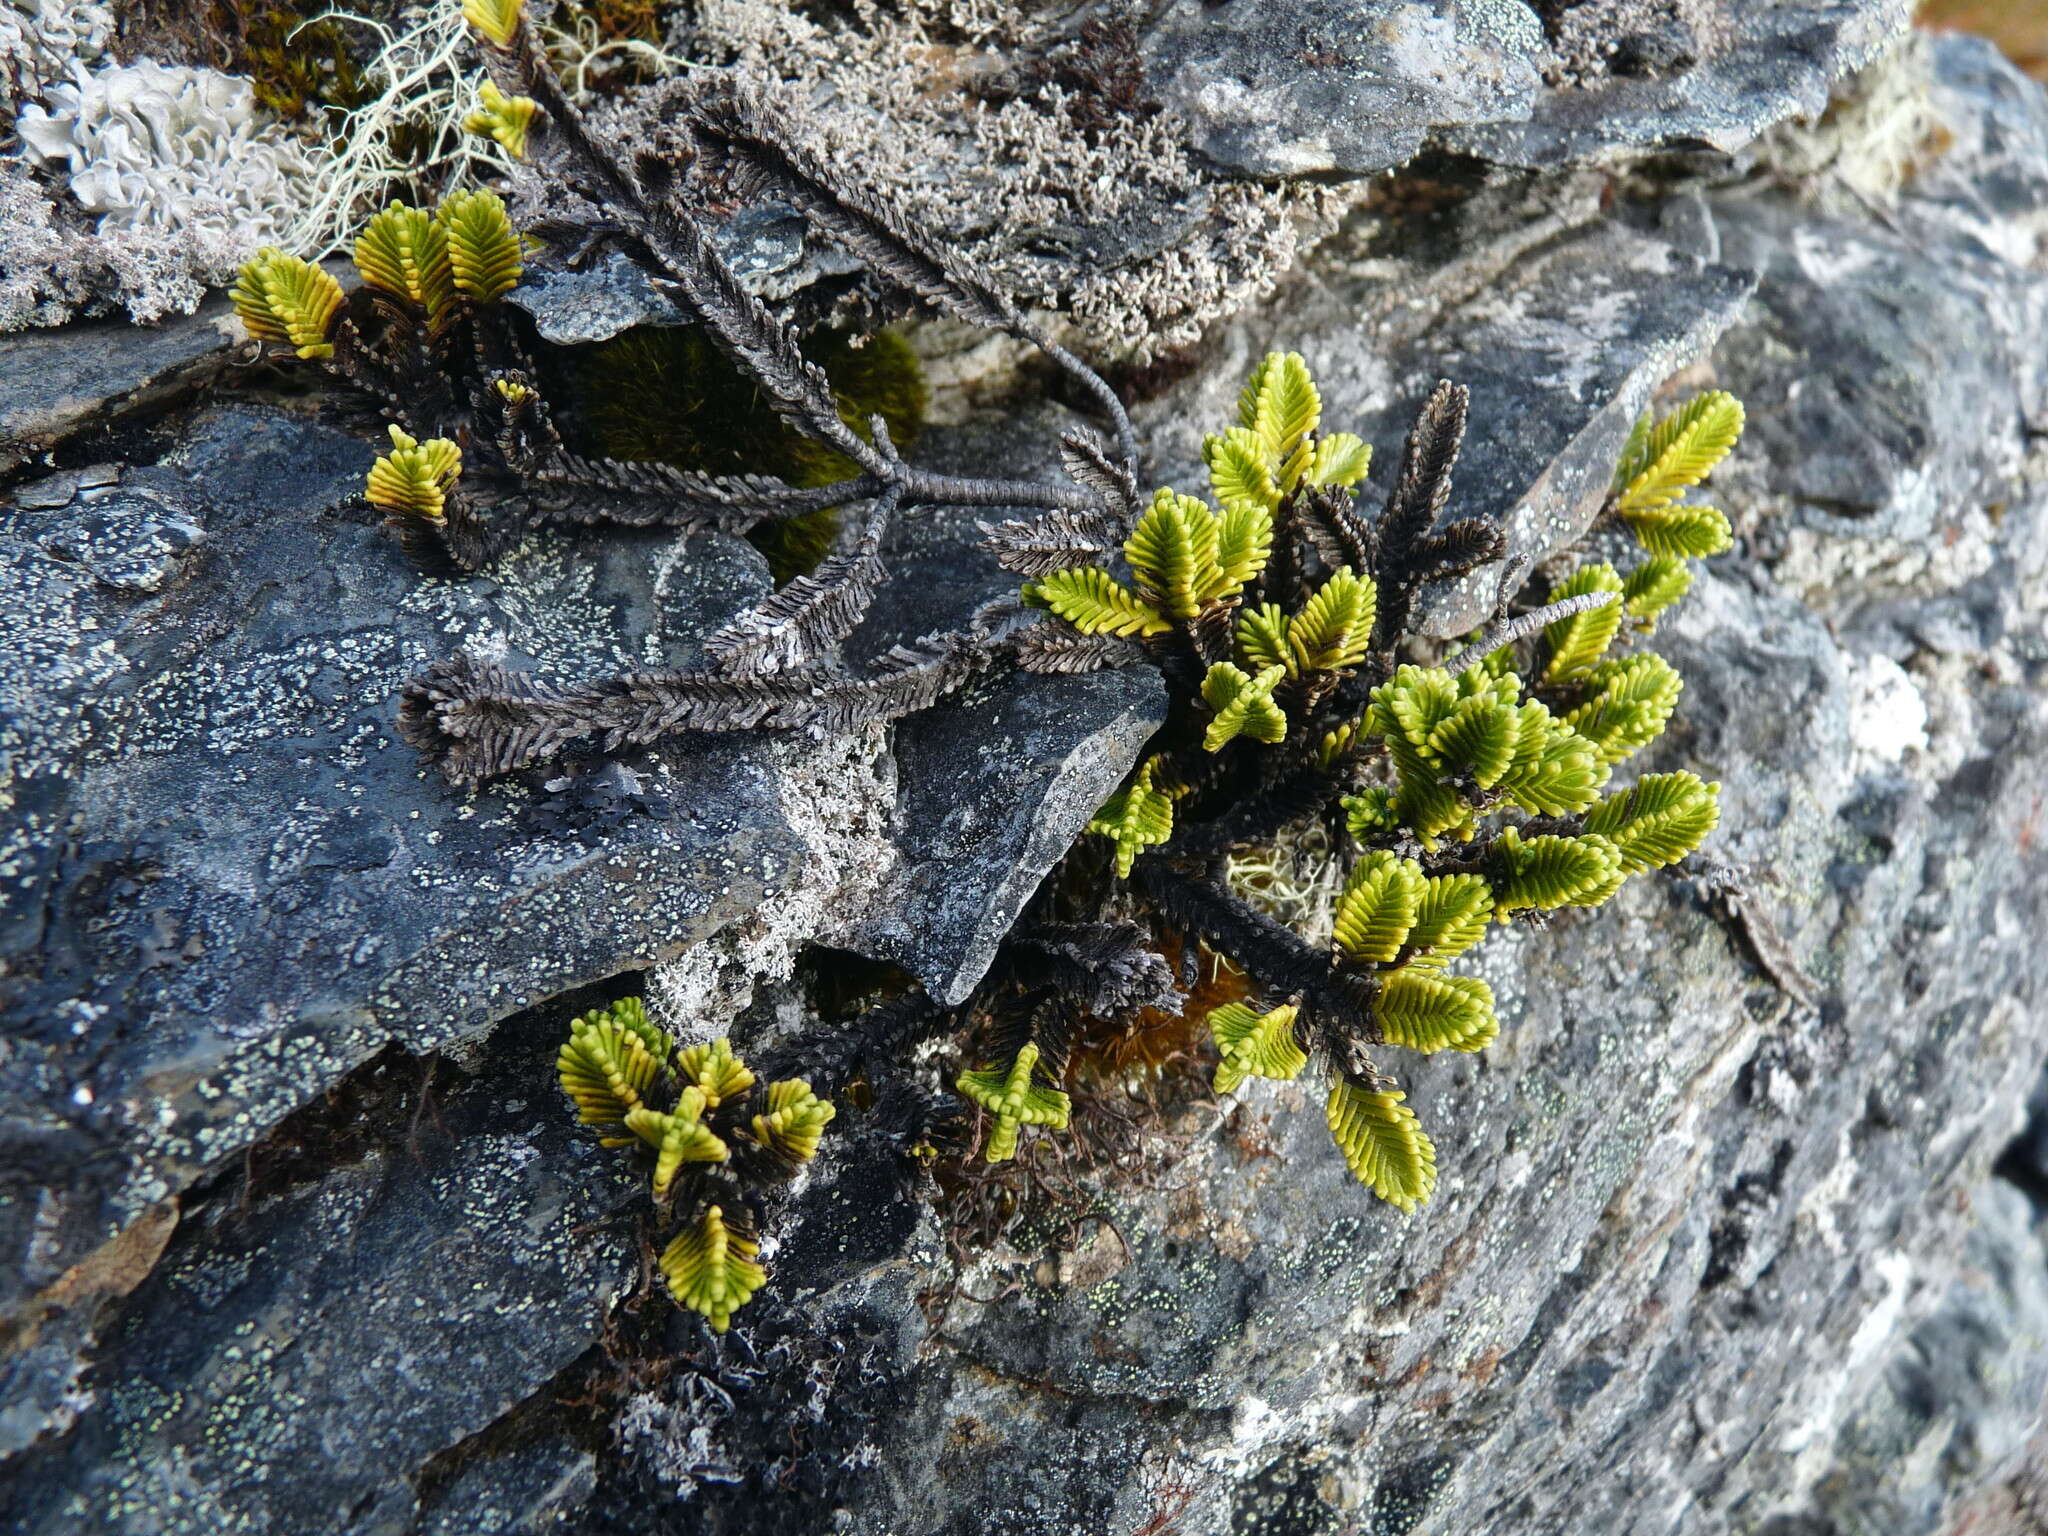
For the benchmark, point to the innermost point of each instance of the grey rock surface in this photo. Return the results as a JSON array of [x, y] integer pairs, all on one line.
[[1316, 86], [55, 382], [1703, 1258]]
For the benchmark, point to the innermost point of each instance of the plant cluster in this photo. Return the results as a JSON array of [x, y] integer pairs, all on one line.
[[1459, 793], [719, 1139]]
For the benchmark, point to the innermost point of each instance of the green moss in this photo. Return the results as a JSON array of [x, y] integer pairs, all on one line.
[[666, 394]]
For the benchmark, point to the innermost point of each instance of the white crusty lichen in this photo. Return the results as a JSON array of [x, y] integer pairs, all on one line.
[[139, 184], [1071, 202]]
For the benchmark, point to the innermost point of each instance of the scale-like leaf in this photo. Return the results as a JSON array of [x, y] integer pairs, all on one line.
[[1096, 603], [1578, 643], [1549, 872], [1340, 459], [1422, 802], [1244, 543], [414, 477], [1383, 1144], [1135, 818], [1453, 915], [1254, 1045], [677, 1138], [1280, 403], [1658, 822], [508, 120], [606, 1069], [1371, 812], [1413, 703], [1243, 706], [1632, 701], [1478, 737], [1635, 453], [1334, 628], [713, 1068], [1057, 541], [497, 20], [1262, 636], [404, 251], [1173, 552], [1425, 1010], [795, 1119], [1556, 771], [710, 1269], [1683, 448], [1015, 1101], [1237, 469], [1655, 585], [483, 248], [1681, 530], [283, 299], [1378, 907]]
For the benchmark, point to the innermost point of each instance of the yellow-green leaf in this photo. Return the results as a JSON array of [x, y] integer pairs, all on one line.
[[1135, 818], [1173, 552], [1237, 469], [1549, 872], [404, 251], [1681, 530], [1096, 603], [1632, 700], [1378, 907], [414, 477], [1243, 706], [1655, 585], [1280, 404], [506, 119], [1254, 1045], [1425, 1010], [1556, 771], [795, 1119], [713, 1068], [1453, 915], [1244, 543], [1478, 737], [1683, 448], [1577, 643], [710, 1269], [1658, 822], [1334, 627], [281, 298], [1015, 1101], [1262, 636], [1340, 459], [677, 1138], [497, 20], [606, 1068], [483, 248], [1383, 1144]]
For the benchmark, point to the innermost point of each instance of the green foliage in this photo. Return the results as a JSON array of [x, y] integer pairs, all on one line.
[[1655, 585], [1473, 797], [1630, 703], [496, 21], [283, 299], [1250, 1044], [1010, 1095], [1578, 643], [1383, 1143], [1135, 818], [710, 1269], [1546, 872], [794, 1120], [1379, 905], [691, 1108], [1334, 628], [414, 478], [1243, 705], [1096, 603], [1426, 1010], [507, 119], [483, 248], [1663, 460], [404, 252], [1658, 822]]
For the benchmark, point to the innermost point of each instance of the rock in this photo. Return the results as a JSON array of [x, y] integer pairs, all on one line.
[[1713, 75], [59, 381], [977, 840], [1310, 86], [1306, 86], [335, 1324], [1701, 1256]]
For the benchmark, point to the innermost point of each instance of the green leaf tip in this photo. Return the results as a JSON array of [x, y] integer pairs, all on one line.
[[1243, 706], [1383, 1143], [1015, 1101], [1135, 818], [710, 1269], [1253, 1044]]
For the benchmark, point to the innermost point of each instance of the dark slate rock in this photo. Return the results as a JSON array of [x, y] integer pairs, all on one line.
[[1310, 86], [54, 382], [996, 785], [1303, 86], [227, 883], [1561, 354], [327, 1335], [1717, 83]]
